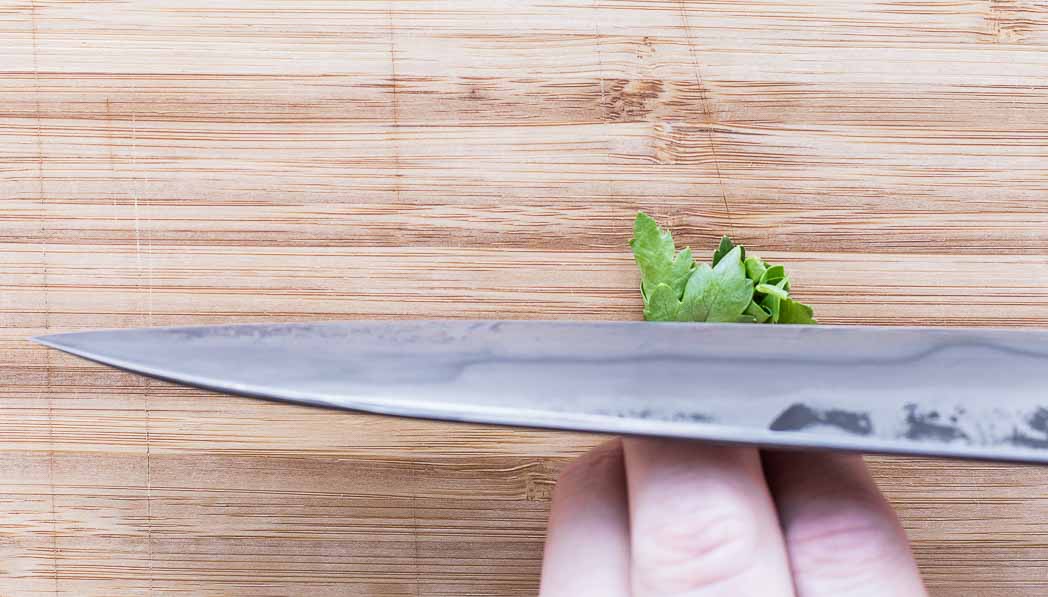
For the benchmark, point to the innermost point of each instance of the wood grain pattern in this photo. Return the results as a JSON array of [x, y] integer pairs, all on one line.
[[206, 161]]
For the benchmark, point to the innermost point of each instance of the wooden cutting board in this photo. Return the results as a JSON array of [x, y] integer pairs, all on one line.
[[200, 161]]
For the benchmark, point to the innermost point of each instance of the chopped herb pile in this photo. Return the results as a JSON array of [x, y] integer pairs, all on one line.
[[732, 288]]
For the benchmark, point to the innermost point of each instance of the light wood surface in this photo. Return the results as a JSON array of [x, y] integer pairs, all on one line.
[[201, 161]]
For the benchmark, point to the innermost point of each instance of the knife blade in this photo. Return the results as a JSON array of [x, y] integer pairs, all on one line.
[[951, 392]]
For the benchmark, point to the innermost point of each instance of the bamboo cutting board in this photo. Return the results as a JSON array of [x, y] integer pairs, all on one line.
[[200, 161]]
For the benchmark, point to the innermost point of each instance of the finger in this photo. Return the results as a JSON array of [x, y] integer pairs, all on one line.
[[842, 536], [587, 545], [702, 522]]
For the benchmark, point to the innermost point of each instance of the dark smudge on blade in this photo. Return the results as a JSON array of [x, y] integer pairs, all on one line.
[[800, 416], [928, 425], [1038, 421], [647, 413]]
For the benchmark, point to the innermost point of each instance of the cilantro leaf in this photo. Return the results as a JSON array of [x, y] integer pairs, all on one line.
[[658, 259]]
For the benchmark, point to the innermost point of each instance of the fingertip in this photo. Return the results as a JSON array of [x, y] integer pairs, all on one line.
[[842, 536], [701, 519], [587, 544], [594, 466]]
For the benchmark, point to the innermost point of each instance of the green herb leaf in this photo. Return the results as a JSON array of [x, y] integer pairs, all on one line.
[[769, 289], [719, 293], [734, 289], [725, 247], [772, 304], [756, 313], [774, 275], [657, 257], [662, 304], [755, 268], [693, 307], [791, 311]]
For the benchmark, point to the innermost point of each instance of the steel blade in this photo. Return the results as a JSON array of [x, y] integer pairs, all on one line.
[[929, 391]]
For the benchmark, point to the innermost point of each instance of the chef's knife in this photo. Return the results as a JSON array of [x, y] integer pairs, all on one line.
[[971, 393]]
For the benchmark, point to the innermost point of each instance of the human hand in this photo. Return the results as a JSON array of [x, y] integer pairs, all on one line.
[[666, 518]]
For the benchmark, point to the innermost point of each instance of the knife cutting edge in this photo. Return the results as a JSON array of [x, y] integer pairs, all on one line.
[[952, 392]]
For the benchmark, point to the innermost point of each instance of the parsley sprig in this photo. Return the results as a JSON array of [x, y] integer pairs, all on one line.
[[732, 288]]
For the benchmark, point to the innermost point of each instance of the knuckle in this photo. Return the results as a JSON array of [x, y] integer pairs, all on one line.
[[684, 551], [844, 545]]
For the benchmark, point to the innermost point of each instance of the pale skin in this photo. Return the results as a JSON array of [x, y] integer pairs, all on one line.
[[666, 518]]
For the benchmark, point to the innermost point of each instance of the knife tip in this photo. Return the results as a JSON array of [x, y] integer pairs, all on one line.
[[67, 342], [55, 341], [49, 340]]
